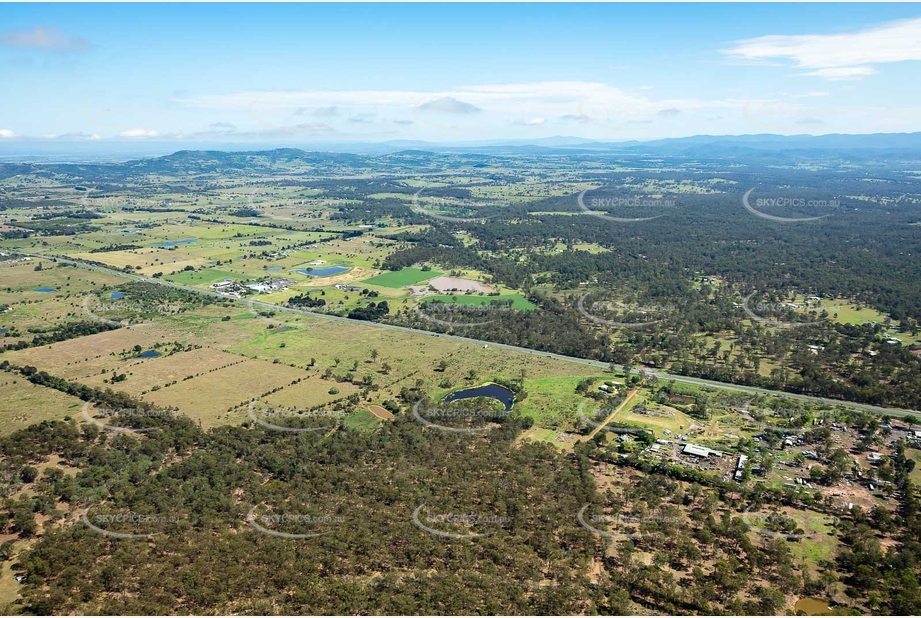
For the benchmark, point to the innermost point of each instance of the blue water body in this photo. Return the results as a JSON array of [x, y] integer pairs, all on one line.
[[274, 268], [3, 331], [131, 230], [173, 243], [45, 290], [118, 295], [327, 271], [148, 354], [493, 391]]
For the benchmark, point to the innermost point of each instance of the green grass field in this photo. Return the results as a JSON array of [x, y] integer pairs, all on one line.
[[403, 277], [362, 420], [519, 303], [206, 276]]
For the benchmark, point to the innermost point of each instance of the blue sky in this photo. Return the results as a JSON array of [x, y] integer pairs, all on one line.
[[300, 74]]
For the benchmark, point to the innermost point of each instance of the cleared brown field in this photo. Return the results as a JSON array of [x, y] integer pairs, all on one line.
[[22, 279], [89, 356], [208, 397], [144, 374], [150, 259], [23, 403], [311, 392]]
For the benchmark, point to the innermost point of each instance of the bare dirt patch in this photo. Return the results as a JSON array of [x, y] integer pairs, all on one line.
[[455, 284], [380, 412]]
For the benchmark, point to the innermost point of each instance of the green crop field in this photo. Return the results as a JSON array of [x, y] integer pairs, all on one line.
[[403, 277], [519, 302], [206, 276]]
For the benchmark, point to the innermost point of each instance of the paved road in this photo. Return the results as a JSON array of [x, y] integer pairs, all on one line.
[[662, 375]]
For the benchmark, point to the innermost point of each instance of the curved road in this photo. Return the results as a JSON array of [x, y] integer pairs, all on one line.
[[663, 375]]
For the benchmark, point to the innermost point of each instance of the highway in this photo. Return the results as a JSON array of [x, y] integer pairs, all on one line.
[[662, 375]]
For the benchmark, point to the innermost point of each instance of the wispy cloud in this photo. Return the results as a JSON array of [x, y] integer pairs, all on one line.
[[139, 134], [7, 134], [449, 105], [318, 112], [836, 56], [47, 39], [843, 73]]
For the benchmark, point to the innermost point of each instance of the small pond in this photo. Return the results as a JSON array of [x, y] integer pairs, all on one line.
[[45, 290], [118, 295], [173, 243], [493, 391], [813, 607], [148, 354], [327, 271]]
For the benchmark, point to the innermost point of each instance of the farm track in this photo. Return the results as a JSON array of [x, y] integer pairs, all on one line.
[[662, 375], [612, 415]]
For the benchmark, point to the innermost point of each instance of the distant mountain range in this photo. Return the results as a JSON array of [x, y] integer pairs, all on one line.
[[895, 145], [698, 145]]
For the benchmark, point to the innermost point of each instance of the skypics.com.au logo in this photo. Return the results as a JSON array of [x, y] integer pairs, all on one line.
[[138, 415], [771, 308], [443, 203], [448, 418], [593, 310], [604, 412], [459, 525], [784, 202], [459, 315], [626, 527], [293, 420], [601, 206], [123, 311], [308, 525], [142, 526]]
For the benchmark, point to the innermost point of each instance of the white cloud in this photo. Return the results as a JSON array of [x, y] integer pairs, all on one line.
[[49, 39], [836, 56], [590, 109], [74, 137], [843, 73], [533, 122], [7, 134], [534, 99], [138, 134]]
